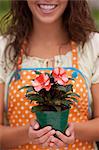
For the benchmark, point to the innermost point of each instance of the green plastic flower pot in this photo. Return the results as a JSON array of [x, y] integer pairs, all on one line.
[[58, 120]]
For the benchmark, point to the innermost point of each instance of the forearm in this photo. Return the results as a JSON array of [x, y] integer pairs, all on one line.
[[12, 137], [87, 130]]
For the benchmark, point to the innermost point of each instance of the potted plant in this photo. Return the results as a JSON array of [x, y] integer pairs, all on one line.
[[54, 96]]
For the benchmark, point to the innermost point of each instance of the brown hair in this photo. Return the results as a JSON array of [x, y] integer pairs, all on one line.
[[76, 18]]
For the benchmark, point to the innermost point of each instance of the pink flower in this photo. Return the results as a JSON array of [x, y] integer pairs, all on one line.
[[60, 76], [42, 81]]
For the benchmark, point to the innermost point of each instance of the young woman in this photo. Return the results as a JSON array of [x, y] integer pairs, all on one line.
[[43, 34]]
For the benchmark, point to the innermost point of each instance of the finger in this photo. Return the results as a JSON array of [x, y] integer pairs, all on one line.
[[69, 130], [46, 144], [57, 142], [68, 133], [41, 132], [64, 138], [52, 145], [30, 134], [34, 124], [44, 140], [45, 137]]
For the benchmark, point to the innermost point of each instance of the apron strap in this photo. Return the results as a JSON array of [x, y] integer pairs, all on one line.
[[74, 55], [19, 62]]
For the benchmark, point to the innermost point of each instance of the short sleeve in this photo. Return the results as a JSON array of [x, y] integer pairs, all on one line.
[[89, 59], [3, 42], [95, 75], [95, 58]]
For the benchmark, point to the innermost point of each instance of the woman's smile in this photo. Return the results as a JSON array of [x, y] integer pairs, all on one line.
[[47, 8], [47, 11]]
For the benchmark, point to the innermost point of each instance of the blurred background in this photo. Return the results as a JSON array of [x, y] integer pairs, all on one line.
[[94, 4]]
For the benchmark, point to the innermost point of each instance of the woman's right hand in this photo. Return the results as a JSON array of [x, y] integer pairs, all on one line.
[[40, 136]]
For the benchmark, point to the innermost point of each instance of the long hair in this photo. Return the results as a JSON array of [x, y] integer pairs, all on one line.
[[77, 21]]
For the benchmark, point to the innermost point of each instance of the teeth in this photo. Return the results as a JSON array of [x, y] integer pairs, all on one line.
[[47, 7]]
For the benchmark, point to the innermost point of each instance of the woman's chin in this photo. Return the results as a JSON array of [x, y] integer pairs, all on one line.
[[47, 20]]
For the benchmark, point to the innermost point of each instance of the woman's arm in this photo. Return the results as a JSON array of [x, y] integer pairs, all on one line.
[[11, 137], [90, 129]]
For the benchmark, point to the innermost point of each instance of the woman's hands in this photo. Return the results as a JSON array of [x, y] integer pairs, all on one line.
[[40, 136], [45, 136], [63, 139]]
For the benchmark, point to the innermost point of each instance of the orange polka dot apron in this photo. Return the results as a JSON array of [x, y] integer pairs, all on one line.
[[19, 108]]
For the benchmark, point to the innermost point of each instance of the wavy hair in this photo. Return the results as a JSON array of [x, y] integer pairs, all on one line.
[[77, 21]]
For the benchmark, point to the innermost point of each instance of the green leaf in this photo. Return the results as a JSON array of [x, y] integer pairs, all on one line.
[[30, 89], [75, 94], [34, 97], [67, 102], [66, 88], [61, 88], [26, 87], [38, 72], [71, 94], [69, 88], [74, 99], [37, 108]]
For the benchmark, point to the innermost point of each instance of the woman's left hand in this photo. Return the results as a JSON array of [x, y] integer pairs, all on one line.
[[64, 139]]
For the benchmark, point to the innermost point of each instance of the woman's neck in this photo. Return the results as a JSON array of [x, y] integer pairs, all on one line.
[[46, 38], [49, 32]]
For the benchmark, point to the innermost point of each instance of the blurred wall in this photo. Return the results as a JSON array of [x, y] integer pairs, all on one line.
[[94, 3], [4, 5]]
